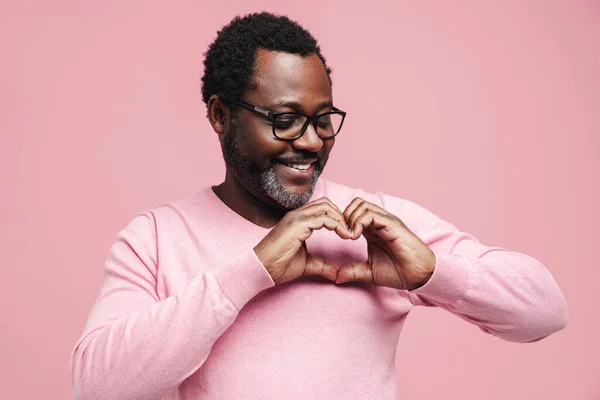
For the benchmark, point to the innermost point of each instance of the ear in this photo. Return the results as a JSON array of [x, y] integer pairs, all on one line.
[[217, 114]]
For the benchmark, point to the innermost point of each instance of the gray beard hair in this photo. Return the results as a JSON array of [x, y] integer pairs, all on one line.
[[259, 180]]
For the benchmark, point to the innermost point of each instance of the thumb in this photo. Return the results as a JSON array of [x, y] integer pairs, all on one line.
[[316, 266], [357, 272]]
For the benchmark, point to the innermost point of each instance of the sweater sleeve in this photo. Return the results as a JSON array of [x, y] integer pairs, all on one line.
[[505, 293], [136, 346]]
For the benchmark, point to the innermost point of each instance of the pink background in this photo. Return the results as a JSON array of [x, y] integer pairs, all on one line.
[[487, 113]]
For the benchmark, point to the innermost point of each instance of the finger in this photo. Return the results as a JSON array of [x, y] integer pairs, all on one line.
[[363, 208], [329, 209], [336, 209], [316, 201], [357, 207], [370, 219], [322, 203], [357, 272], [376, 208], [357, 211], [351, 207], [318, 267], [360, 209], [328, 201], [324, 220]]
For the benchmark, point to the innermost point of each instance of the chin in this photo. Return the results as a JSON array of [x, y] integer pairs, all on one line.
[[290, 200], [286, 193]]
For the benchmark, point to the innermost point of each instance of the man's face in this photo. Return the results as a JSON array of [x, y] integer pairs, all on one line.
[[259, 162]]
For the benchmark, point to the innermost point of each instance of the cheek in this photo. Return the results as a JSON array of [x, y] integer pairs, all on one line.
[[328, 146], [260, 143]]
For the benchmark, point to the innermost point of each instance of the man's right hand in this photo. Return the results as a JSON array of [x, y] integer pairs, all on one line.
[[283, 250]]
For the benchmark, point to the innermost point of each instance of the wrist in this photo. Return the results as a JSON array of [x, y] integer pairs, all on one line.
[[259, 251], [428, 268]]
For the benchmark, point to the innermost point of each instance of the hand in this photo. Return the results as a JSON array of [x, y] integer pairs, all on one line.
[[283, 250], [397, 258]]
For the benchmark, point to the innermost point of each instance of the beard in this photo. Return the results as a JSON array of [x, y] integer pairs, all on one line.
[[263, 181]]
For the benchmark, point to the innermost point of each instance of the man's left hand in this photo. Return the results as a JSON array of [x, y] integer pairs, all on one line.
[[397, 258]]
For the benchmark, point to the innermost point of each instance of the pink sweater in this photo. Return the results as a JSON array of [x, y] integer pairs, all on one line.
[[187, 311]]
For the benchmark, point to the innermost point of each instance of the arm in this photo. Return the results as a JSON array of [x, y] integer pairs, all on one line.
[[135, 346], [504, 293]]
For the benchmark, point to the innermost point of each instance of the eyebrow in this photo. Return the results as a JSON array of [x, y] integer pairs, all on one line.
[[297, 106]]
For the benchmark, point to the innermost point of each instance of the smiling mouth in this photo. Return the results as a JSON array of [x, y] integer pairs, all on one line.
[[298, 169], [300, 166]]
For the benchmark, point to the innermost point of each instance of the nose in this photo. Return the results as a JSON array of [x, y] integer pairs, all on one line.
[[309, 141]]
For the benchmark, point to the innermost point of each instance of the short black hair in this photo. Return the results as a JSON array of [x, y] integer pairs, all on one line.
[[229, 60]]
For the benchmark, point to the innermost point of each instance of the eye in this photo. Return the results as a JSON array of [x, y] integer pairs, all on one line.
[[324, 121], [286, 121]]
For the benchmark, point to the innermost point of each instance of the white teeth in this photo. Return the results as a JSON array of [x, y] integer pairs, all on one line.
[[302, 167]]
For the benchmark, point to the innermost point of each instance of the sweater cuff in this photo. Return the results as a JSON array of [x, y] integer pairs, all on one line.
[[243, 278], [449, 281]]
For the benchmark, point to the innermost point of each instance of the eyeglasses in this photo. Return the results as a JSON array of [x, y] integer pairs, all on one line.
[[292, 125]]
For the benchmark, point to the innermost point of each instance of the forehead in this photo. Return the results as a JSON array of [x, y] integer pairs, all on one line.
[[283, 77]]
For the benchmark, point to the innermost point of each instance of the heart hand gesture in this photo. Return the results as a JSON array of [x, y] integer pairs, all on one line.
[[397, 258]]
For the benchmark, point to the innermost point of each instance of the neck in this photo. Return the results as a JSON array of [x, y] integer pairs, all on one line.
[[247, 205]]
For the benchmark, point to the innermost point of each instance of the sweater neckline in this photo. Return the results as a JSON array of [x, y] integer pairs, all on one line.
[[234, 218]]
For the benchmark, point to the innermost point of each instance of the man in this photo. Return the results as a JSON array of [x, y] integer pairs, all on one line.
[[276, 284]]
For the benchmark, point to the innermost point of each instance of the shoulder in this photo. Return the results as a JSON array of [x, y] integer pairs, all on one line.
[[168, 216]]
